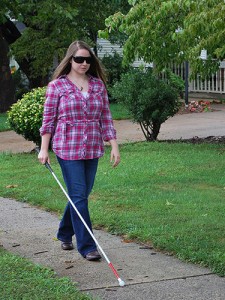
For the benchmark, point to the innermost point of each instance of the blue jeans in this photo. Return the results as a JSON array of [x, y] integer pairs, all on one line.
[[79, 176]]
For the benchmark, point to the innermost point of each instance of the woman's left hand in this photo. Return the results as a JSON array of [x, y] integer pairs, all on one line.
[[115, 154]]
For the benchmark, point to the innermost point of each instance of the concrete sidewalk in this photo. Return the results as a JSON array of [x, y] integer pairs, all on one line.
[[148, 274], [30, 232]]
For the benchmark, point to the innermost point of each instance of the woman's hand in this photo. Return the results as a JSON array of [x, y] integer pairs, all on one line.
[[115, 154], [43, 156]]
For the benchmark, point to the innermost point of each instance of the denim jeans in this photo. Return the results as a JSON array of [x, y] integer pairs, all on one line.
[[79, 176]]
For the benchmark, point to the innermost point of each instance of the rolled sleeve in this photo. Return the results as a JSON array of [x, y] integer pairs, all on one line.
[[50, 109]]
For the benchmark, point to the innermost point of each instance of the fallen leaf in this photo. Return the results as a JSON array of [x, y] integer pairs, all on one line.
[[10, 186], [127, 241]]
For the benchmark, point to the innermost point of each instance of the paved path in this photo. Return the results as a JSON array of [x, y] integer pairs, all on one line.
[[148, 274], [30, 232]]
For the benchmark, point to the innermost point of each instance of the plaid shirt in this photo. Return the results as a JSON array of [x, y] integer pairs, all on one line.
[[78, 125]]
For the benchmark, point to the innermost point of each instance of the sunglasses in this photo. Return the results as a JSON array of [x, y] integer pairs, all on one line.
[[81, 59]]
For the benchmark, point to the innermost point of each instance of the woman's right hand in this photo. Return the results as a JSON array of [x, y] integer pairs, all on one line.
[[43, 157]]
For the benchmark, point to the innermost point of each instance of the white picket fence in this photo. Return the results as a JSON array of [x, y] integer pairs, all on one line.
[[216, 83]]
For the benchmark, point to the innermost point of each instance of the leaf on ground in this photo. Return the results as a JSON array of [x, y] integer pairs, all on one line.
[[11, 186], [127, 241]]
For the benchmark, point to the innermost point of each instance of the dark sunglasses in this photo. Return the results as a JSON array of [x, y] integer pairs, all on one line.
[[81, 59]]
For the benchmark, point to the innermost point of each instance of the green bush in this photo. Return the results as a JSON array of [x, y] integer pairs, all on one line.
[[25, 116], [149, 100], [175, 81]]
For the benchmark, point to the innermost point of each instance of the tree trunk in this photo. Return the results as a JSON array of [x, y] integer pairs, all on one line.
[[150, 130], [7, 88], [155, 129], [34, 82]]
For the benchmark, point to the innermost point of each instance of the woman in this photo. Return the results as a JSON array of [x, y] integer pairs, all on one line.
[[77, 120]]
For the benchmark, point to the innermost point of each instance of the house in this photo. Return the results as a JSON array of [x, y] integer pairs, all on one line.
[[106, 48]]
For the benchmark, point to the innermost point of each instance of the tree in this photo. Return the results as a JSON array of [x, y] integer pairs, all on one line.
[[92, 14], [173, 31], [204, 29], [46, 35], [50, 26]]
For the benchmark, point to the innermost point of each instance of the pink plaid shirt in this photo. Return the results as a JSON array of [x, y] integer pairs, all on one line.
[[78, 124]]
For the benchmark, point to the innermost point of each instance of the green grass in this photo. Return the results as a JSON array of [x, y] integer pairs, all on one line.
[[119, 112], [164, 194], [21, 279], [4, 125]]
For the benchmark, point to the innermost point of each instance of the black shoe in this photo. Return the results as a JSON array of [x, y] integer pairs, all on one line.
[[93, 255], [67, 245]]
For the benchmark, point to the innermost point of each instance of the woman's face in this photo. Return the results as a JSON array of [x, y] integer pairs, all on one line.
[[80, 62]]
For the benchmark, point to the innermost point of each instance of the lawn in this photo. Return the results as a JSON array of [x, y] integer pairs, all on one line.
[[119, 112], [4, 125], [20, 279], [169, 195]]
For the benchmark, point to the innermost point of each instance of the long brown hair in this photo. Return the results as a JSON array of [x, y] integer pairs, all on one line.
[[96, 69]]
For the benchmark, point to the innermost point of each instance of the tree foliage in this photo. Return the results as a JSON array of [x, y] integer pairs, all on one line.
[[50, 26], [92, 14], [46, 35], [173, 31]]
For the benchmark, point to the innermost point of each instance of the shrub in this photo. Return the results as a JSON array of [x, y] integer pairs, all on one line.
[[149, 100], [175, 81], [25, 116]]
